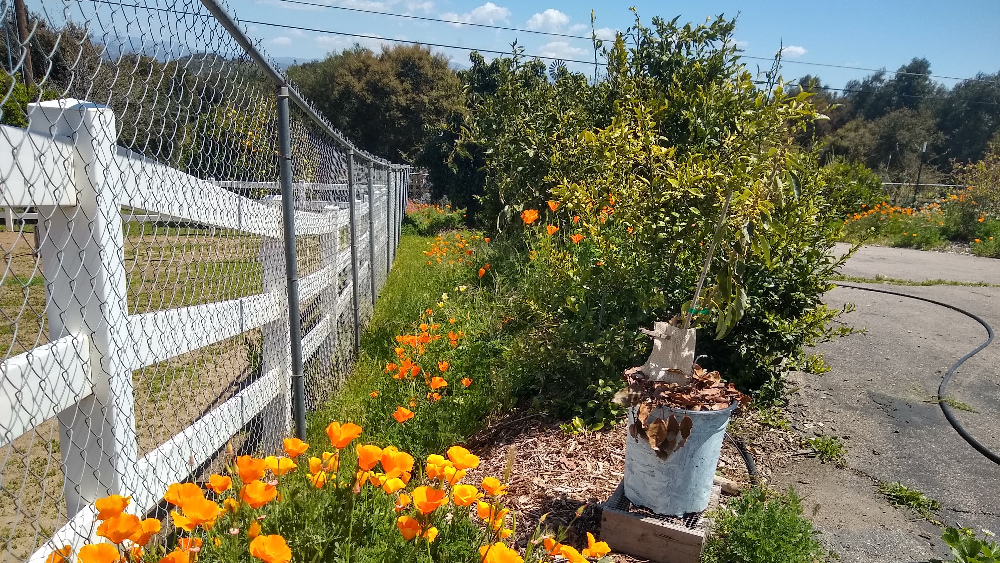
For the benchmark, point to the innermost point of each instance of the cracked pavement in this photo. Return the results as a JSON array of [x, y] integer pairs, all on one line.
[[879, 398]]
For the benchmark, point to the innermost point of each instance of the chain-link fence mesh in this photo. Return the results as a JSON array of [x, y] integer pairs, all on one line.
[[144, 313]]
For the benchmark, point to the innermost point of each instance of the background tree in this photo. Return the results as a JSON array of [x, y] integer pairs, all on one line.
[[389, 103]]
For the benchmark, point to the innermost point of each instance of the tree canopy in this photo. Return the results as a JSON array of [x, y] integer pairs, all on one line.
[[389, 103]]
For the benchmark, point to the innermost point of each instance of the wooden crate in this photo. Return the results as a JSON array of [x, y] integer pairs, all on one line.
[[639, 532]]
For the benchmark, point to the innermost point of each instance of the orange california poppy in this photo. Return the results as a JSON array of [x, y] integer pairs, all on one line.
[[427, 499], [462, 458], [258, 493], [179, 494], [196, 512], [499, 553], [392, 485], [231, 505], [295, 447], [271, 549], [147, 529], [176, 556], [596, 549], [219, 484], [576, 219], [551, 229], [279, 465], [98, 553], [552, 547], [529, 216], [408, 526], [443, 366], [553, 205], [576, 238], [110, 506], [373, 394], [368, 457], [250, 468], [482, 272], [486, 239], [397, 464], [317, 479], [494, 487], [402, 502], [189, 544], [465, 495], [60, 555], [342, 435], [120, 528], [438, 382], [402, 414], [572, 555], [254, 530]]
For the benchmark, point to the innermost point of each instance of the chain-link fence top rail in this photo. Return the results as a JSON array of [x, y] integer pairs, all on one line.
[[143, 313]]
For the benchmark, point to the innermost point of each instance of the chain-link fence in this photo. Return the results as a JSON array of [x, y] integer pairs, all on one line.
[[150, 310]]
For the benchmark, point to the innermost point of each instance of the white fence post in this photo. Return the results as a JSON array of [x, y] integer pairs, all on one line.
[[275, 344], [83, 260]]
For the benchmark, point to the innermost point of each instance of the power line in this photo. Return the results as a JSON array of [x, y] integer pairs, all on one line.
[[490, 26], [438, 20], [425, 43], [855, 90], [585, 38]]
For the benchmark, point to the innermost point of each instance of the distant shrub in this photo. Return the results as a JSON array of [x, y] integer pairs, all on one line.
[[427, 220]]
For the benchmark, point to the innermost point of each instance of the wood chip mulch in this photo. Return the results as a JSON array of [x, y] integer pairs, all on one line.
[[556, 473]]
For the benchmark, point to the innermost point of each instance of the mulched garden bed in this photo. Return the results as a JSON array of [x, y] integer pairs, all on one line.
[[556, 473]]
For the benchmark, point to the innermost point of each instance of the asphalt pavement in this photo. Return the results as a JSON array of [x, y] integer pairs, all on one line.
[[879, 398]]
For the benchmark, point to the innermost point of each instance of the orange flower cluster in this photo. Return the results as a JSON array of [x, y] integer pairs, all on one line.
[[456, 250]]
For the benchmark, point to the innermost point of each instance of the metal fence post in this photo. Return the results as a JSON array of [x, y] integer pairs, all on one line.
[[390, 216], [83, 260], [351, 194], [371, 231], [298, 389]]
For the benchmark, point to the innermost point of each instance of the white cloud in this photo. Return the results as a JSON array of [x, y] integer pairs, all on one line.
[[282, 41], [793, 51], [742, 45], [296, 32], [417, 6], [549, 20], [606, 33], [561, 50], [488, 13]]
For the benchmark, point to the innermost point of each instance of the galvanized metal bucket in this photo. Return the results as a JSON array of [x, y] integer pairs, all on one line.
[[682, 483]]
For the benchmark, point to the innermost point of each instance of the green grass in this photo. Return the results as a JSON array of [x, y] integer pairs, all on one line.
[[829, 449], [412, 287], [762, 526], [896, 281], [900, 495]]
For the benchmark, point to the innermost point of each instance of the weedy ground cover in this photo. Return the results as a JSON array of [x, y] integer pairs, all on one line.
[[763, 526], [958, 217]]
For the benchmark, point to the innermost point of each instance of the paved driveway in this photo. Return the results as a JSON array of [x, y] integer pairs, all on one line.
[[879, 398]]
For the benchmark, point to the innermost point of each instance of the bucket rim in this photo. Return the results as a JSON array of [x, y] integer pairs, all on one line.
[[727, 410]]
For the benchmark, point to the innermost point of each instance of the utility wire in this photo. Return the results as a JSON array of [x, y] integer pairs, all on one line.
[[440, 45], [587, 38], [520, 30], [438, 20]]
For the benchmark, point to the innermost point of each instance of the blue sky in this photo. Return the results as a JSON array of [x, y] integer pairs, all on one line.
[[959, 38]]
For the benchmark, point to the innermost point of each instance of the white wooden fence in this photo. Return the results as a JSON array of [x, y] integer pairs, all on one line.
[[68, 168]]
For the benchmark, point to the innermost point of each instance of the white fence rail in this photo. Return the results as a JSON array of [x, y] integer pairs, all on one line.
[[68, 170]]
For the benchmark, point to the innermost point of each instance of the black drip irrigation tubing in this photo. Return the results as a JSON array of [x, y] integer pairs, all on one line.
[[948, 414]]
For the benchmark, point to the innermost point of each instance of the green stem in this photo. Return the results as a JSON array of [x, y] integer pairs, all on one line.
[[350, 527]]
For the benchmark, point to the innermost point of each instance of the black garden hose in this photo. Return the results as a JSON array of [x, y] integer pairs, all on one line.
[[948, 414], [747, 458]]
